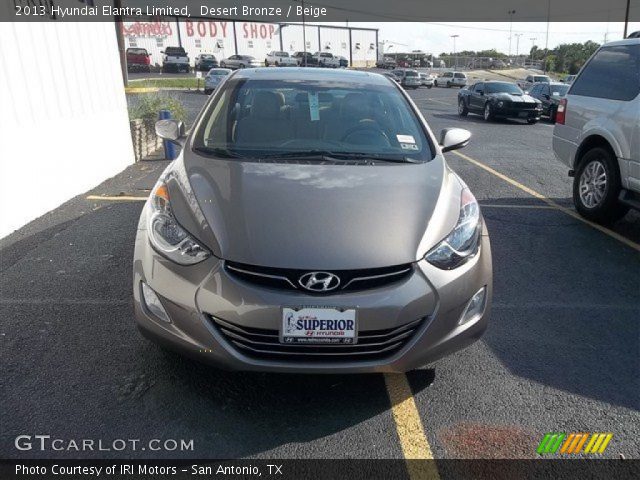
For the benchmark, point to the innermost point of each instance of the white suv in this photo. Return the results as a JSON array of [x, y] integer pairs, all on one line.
[[597, 132], [451, 79]]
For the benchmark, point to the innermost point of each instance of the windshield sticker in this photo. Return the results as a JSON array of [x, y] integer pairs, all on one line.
[[405, 139], [314, 106], [409, 146]]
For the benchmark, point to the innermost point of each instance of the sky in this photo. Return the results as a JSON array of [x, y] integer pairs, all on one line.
[[436, 38]]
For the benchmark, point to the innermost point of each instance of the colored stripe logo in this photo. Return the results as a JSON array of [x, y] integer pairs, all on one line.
[[572, 443]]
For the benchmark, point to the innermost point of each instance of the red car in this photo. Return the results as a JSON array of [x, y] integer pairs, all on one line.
[[138, 60]]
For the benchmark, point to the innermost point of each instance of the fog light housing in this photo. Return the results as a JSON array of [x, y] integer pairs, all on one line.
[[475, 307], [153, 304]]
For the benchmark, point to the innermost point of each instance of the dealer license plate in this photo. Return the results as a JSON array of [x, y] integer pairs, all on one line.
[[318, 325]]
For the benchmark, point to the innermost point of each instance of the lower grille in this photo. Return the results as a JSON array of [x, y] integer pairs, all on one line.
[[265, 344]]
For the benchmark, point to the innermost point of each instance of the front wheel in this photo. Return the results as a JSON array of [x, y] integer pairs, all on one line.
[[429, 86], [462, 108], [596, 186], [532, 121], [448, 84]]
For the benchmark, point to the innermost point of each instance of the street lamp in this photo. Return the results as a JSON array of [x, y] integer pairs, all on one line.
[[511, 14], [518, 35], [455, 56], [533, 44]]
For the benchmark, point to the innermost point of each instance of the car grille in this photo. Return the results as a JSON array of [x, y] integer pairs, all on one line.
[[265, 344], [288, 279]]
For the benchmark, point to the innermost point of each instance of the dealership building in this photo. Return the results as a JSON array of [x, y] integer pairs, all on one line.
[[223, 38]]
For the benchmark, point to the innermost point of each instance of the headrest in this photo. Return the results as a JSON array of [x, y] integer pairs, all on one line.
[[266, 105]]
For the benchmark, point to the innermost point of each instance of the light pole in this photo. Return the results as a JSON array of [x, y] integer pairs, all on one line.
[[533, 44], [511, 14], [518, 35], [455, 56]]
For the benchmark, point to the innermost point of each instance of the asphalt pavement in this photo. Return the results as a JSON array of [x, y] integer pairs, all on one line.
[[561, 353]]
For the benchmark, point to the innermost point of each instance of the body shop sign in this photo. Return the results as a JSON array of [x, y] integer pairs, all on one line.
[[249, 30]]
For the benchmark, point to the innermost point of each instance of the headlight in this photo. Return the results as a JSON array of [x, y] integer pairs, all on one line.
[[464, 240], [165, 233], [500, 104]]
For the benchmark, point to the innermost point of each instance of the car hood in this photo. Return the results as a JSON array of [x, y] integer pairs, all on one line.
[[513, 98], [311, 216]]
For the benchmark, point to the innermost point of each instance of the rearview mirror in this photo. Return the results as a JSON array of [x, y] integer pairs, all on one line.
[[171, 130], [454, 138]]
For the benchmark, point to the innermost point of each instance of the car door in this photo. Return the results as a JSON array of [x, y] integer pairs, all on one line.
[[476, 99], [545, 97]]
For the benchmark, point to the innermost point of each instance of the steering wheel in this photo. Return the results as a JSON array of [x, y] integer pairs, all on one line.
[[367, 129]]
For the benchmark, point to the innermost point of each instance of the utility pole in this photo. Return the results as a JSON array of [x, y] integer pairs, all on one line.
[[455, 55], [120, 39], [546, 43], [511, 14], [304, 33]]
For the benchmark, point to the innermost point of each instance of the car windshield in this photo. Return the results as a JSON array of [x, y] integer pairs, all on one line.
[[559, 90], [459, 75], [282, 54], [541, 78], [137, 51], [174, 51], [219, 71], [207, 57], [502, 87], [411, 73], [320, 120]]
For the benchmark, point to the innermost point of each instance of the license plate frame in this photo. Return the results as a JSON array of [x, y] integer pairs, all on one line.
[[290, 334]]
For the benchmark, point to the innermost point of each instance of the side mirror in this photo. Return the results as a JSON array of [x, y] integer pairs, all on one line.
[[171, 130], [546, 95], [454, 138]]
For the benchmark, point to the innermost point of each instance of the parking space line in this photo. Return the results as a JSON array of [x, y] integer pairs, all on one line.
[[409, 427], [550, 202], [542, 207], [118, 198]]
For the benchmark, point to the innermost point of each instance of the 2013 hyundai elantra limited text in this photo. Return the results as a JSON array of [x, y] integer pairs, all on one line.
[[311, 224]]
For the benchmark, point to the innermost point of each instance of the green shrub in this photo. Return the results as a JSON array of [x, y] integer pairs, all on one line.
[[147, 105]]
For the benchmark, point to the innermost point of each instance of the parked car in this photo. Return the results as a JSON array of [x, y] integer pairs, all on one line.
[[175, 59], [451, 79], [326, 59], [389, 284], [279, 59], [550, 95], [426, 80], [138, 60], [408, 78], [305, 59], [214, 77], [597, 132], [205, 62], [530, 80], [240, 61], [569, 79], [387, 63], [498, 100], [344, 62]]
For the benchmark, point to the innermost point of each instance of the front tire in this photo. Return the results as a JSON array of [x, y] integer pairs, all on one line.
[[448, 84], [462, 108], [429, 86], [596, 186]]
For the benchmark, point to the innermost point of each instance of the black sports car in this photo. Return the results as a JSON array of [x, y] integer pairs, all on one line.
[[498, 99]]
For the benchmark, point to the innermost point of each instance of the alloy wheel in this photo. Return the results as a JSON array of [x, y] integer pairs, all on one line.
[[593, 184]]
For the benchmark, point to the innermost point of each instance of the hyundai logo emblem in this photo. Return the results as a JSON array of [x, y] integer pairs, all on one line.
[[319, 281]]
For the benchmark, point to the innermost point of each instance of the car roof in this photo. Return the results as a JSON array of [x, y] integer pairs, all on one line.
[[558, 83], [301, 73], [626, 41]]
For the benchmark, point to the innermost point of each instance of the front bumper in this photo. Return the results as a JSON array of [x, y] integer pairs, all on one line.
[[193, 295], [514, 112]]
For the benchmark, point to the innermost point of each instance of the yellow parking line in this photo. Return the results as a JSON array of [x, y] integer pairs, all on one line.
[[118, 198], [550, 202], [543, 207], [413, 440], [140, 90]]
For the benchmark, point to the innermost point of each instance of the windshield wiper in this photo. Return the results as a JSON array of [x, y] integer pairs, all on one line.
[[327, 155], [217, 152]]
